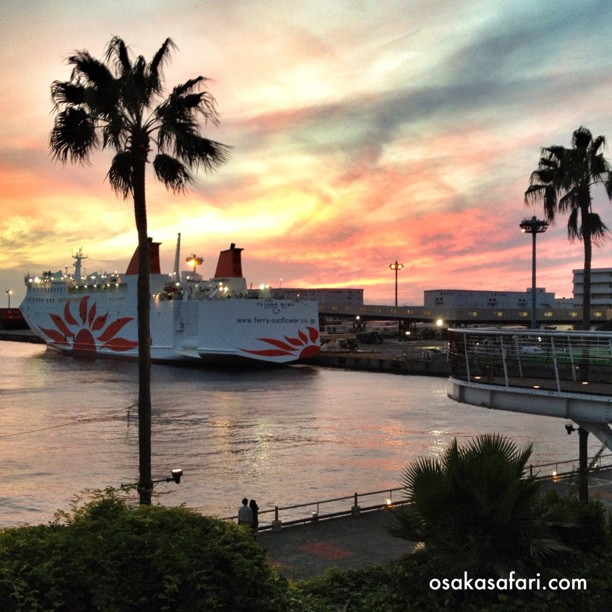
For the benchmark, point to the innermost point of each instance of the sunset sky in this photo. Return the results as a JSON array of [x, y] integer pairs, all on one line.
[[363, 132]]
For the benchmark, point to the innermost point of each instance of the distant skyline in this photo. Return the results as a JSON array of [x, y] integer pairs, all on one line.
[[364, 132]]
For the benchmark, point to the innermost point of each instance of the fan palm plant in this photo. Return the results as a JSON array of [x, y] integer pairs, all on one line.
[[474, 510], [562, 183], [119, 104]]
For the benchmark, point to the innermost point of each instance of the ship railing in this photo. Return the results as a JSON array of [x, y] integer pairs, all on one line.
[[570, 362]]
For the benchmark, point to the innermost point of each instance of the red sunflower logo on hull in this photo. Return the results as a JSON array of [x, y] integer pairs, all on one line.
[[304, 346], [88, 333]]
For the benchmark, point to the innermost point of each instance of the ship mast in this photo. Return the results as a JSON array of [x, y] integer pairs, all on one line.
[[77, 264], [177, 275]]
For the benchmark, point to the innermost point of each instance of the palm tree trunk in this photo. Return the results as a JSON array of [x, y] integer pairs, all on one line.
[[586, 285], [586, 296], [145, 484]]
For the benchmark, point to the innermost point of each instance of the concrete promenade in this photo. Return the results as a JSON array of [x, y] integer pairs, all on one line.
[[303, 551], [300, 552]]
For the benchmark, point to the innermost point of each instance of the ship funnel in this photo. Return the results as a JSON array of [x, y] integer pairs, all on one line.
[[154, 266], [230, 263]]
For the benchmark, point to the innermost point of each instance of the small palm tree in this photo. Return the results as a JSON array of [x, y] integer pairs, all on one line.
[[474, 510], [120, 105], [562, 182]]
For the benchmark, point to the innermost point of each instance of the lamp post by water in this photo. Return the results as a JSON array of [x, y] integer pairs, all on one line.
[[534, 227], [9, 292], [396, 266]]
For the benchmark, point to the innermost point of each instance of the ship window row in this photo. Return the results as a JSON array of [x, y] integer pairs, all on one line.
[[48, 289]]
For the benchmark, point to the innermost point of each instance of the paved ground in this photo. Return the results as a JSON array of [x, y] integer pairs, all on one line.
[[303, 551]]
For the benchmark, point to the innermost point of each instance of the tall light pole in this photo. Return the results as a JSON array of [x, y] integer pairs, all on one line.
[[397, 266], [534, 227], [9, 292]]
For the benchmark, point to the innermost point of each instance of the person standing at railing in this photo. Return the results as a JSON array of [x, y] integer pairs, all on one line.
[[245, 514], [255, 515]]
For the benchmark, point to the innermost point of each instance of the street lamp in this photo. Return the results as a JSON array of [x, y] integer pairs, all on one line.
[[396, 266], [9, 292], [534, 227]]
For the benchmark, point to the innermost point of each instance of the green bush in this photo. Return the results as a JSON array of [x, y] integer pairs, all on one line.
[[589, 531], [404, 587], [108, 556]]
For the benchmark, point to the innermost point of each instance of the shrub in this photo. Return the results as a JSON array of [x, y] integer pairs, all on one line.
[[108, 556]]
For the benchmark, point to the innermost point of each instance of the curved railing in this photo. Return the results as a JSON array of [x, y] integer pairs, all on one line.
[[571, 362]]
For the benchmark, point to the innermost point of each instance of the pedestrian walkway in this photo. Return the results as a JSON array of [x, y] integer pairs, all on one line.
[[303, 551], [351, 542]]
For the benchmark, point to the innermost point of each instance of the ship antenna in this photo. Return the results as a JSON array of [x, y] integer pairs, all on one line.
[[77, 264], [176, 259]]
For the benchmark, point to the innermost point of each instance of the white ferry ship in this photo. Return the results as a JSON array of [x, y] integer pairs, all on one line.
[[215, 321]]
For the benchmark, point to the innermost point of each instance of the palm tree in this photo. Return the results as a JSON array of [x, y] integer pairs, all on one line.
[[120, 105], [562, 182], [475, 511]]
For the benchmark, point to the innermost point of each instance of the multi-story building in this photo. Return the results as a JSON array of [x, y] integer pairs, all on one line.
[[601, 286]]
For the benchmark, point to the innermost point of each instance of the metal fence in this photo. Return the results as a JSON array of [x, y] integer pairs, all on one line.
[[325, 509], [577, 362]]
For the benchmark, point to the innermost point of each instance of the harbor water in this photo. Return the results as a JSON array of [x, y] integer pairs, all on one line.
[[283, 436]]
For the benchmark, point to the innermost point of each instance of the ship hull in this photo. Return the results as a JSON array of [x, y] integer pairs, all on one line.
[[101, 321]]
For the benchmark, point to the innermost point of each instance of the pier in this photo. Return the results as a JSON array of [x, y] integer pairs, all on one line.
[[418, 359]]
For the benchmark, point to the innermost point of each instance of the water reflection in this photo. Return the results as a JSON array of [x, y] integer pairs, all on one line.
[[283, 437]]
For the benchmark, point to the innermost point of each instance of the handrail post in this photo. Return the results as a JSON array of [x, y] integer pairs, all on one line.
[[555, 364], [503, 356], [355, 510], [276, 524], [467, 358]]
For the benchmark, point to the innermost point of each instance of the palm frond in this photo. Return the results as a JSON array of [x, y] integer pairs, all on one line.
[[597, 229], [155, 69], [187, 87], [582, 138], [135, 89], [574, 229], [598, 143], [121, 173], [406, 524], [118, 51], [171, 172], [89, 70], [73, 136], [67, 93], [114, 132]]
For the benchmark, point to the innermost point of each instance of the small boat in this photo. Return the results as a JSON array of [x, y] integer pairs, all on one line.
[[210, 321]]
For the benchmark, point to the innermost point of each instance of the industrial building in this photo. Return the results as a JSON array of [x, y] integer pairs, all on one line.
[[472, 299]]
